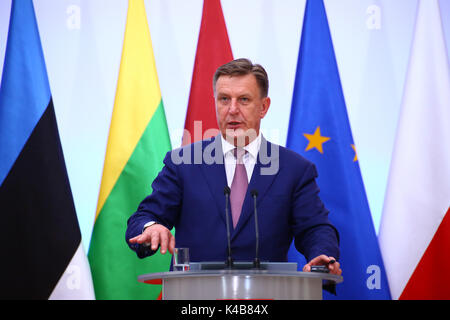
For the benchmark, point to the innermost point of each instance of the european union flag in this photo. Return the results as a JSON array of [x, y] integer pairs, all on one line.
[[319, 130]]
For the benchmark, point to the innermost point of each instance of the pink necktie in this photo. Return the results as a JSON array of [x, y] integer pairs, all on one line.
[[238, 186]]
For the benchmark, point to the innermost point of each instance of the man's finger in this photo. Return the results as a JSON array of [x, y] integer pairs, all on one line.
[[335, 268], [171, 244], [164, 240], [133, 240], [155, 240], [138, 239]]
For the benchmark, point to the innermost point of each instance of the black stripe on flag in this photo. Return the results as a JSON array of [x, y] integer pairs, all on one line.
[[39, 232]]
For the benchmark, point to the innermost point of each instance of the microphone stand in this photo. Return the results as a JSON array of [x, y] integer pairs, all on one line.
[[256, 262], [229, 261]]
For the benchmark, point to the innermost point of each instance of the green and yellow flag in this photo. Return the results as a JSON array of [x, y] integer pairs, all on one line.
[[137, 143]]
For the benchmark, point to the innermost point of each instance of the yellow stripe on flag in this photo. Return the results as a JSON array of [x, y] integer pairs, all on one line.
[[137, 97]]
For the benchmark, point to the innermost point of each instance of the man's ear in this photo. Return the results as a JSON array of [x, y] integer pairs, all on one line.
[[265, 107]]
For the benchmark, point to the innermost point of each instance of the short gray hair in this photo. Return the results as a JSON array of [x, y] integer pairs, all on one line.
[[242, 67]]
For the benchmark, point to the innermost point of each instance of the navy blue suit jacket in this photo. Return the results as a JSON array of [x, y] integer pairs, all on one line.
[[190, 197]]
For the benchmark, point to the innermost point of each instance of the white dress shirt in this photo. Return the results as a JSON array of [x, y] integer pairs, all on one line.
[[249, 159]]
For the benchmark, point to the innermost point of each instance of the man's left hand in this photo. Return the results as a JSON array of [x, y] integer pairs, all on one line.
[[323, 260]]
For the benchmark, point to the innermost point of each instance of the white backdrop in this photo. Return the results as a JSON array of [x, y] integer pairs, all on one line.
[[82, 42]]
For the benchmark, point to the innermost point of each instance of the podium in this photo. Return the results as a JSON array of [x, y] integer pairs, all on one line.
[[222, 284]]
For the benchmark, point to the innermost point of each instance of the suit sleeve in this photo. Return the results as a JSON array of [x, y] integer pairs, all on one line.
[[162, 205], [313, 231]]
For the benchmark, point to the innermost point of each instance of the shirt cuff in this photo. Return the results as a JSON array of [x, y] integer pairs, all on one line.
[[148, 224]]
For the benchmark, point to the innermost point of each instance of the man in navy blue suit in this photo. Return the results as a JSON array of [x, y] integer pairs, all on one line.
[[188, 193]]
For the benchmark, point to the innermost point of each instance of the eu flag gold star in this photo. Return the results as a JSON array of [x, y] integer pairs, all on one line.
[[356, 156], [315, 140]]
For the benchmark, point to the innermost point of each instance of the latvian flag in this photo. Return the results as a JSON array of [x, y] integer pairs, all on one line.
[[41, 248], [213, 50], [415, 227]]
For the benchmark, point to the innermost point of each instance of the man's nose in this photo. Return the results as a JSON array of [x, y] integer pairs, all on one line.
[[234, 107]]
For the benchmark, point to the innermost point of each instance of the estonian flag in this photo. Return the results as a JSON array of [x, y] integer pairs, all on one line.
[[319, 130], [40, 239]]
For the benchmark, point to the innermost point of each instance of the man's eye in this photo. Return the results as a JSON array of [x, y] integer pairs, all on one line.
[[245, 99]]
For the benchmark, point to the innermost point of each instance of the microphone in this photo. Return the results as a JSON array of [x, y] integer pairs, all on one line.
[[256, 262], [229, 261]]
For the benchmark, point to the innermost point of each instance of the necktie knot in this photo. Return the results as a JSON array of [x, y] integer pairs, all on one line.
[[239, 154]]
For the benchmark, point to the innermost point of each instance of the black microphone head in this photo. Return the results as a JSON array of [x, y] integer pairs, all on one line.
[[226, 190], [254, 193]]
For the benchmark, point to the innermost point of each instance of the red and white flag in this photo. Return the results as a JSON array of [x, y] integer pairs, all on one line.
[[415, 226], [213, 50]]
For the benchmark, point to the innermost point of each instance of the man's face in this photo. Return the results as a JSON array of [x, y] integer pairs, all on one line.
[[239, 108]]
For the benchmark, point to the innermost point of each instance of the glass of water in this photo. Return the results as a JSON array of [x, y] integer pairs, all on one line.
[[181, 259]]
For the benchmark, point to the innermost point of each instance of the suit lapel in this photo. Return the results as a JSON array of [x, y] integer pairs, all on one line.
[[214, 173], [262, 179]]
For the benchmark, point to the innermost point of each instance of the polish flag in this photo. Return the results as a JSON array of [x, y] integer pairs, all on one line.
[[213, 50], [415, 226]]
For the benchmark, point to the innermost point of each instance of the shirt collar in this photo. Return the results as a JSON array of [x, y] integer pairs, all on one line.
[[252, 148]]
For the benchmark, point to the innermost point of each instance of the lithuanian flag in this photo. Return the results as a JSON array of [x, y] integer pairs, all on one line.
[[137, 143]]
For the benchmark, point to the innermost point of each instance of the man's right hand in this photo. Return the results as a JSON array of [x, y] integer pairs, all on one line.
[[154, 236]]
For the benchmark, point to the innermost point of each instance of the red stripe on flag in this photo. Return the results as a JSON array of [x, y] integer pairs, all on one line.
[[431, 279], [213, 50], [153, 281]]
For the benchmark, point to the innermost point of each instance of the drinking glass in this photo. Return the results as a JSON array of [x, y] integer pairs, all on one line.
[[181, 259]]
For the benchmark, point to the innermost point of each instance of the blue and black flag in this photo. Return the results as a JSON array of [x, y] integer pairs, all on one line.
[[39, 231]]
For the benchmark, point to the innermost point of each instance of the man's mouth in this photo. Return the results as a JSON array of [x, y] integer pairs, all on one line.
[[233, 124]]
